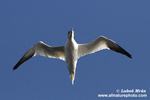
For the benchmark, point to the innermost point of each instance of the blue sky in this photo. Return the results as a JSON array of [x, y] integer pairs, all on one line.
[[25, 22]]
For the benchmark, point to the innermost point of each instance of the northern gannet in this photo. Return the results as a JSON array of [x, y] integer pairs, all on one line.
[[71, 51]]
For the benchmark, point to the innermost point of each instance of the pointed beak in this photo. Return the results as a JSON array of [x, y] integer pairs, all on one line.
[[72, 29]]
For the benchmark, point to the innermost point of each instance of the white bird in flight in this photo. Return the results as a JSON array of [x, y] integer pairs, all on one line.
[[71, 51]]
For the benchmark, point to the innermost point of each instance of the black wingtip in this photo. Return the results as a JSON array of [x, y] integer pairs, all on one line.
[[119, 49], [17, 65], [23, 59], [130, 57], [127, 54], [14, 69]]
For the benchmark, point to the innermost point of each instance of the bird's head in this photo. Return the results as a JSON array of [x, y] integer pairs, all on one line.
[[71, 34]]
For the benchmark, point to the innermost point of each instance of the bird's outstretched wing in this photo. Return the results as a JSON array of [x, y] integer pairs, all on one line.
[[100, 44], [44, 50]]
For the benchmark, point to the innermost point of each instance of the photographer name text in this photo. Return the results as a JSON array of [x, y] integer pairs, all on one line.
[[132, 91]]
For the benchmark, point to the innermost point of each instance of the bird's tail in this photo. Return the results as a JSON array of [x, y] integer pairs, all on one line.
[[72, 76]]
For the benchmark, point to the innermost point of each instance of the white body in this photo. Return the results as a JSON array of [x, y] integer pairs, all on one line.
[[71, 57]]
